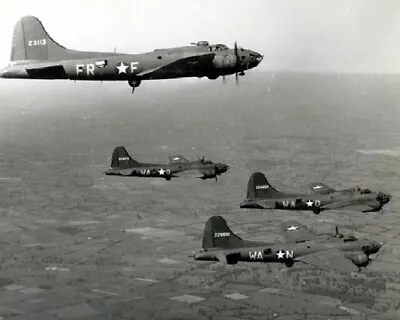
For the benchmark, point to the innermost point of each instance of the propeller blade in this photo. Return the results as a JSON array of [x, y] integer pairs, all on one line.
[[223, 79], [236, 51]]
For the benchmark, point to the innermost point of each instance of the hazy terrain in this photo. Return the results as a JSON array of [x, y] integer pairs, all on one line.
[[76, 244]]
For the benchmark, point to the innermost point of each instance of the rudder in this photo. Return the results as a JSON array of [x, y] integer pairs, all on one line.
[[217, 234], [259, 187], [121, 159]]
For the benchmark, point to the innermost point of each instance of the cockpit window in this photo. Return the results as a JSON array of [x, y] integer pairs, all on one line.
[[218, 47]]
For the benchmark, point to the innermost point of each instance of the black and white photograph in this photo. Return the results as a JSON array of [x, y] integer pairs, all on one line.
[[199, 160]]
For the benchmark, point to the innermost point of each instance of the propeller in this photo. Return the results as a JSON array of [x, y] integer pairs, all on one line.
[[337, 234], [237, 65], [236, 51]]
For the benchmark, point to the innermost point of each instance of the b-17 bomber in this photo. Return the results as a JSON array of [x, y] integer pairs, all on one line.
[[35, 55], [122, 164], [344, 254], [261, 195]]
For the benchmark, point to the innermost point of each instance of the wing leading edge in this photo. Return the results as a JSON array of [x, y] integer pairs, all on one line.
[[185, 65]]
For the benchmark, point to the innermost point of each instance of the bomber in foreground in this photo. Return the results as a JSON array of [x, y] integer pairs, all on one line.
[[344, 254], [261, 195], [35, 55], [122, 164]]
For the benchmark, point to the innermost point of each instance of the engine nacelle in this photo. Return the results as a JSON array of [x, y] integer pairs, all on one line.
[[360, 260], [224, 61]]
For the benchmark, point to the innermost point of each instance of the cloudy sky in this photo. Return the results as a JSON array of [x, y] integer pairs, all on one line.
[[306, 35]]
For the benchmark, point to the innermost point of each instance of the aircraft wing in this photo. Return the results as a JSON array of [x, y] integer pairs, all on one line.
[[294, 231], [329, 260], [349, 204], [192, 63], [320, 188]]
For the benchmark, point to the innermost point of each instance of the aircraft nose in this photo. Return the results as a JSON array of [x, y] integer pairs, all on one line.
[[383, 198], [224, 167], [377, 246], [256, 58]]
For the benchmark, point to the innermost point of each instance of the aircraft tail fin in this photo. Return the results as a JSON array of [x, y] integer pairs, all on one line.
[[32, 42], [217, 234], [177, 159], [259, 187], [121, 159]]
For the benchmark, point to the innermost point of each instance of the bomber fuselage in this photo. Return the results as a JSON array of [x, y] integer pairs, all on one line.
[[315, 202]]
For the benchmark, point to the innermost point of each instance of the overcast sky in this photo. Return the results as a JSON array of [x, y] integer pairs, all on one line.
[[306, 35]]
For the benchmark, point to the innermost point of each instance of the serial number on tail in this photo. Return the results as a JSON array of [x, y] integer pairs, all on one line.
[[39, 42], [221, 234]]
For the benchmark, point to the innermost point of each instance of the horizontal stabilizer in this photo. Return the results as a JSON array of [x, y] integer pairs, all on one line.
[[321, 188], [177, 159]]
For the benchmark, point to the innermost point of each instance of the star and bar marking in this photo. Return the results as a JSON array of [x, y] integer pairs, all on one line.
[[122, 67], [89, 68]]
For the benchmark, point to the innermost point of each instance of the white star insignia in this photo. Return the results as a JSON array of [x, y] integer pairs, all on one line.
[[280, 254], [121, 68], [291, 228], [317, 187], [161, 171], [309, 203]]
